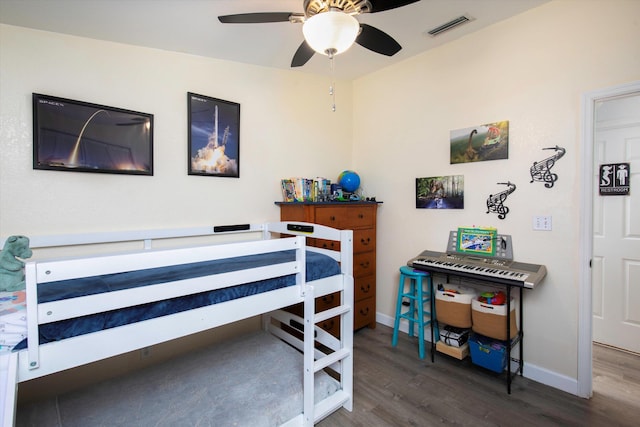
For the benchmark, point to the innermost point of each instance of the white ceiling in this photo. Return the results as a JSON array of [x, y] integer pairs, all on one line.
[[191, 26]]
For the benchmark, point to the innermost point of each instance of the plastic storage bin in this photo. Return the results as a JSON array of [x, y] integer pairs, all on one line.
[[488, 353], [453, 305], [491, 320]]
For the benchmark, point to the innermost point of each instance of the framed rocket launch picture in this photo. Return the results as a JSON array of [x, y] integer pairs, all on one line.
[[214, 136], [79, 136]]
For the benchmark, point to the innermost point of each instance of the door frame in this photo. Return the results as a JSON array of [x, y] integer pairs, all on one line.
[[585, 303]]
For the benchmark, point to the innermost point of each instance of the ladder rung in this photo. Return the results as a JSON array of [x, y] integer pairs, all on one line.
[[330, 359], [332, 312]]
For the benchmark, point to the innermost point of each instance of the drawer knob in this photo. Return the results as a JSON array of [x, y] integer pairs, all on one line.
[[364, 264], [365, 288], [332, 218], [366, 241], [361, 216], [364, 311]]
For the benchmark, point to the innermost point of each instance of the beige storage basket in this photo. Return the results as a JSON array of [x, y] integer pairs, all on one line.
[[491, 321], [455, 308]]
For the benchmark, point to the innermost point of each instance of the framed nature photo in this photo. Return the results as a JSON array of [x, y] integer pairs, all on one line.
[[79, 136], [214, 136], [440, 192], [480, 143]]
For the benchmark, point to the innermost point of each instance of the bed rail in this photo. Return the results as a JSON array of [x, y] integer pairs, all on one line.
[[63, 269], [145, 236], [345, 237]]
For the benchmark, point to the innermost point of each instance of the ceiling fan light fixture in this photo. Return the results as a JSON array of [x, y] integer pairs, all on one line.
[[331, 33]]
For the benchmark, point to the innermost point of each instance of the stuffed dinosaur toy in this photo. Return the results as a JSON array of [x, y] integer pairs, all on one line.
[[11, 266]]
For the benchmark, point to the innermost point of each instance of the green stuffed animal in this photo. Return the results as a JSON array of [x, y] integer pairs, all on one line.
[[11, 266]]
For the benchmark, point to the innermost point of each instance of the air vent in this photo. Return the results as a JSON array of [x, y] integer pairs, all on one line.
[[449, 25]]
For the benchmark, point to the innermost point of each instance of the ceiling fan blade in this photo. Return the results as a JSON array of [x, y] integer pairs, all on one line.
[[302, 55], [382, 5], [255, 18], [377, 40]]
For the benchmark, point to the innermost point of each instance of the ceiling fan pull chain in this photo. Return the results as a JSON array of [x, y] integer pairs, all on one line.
[[332, 85]]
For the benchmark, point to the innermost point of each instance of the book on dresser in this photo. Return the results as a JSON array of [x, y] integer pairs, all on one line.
[[361, 218]]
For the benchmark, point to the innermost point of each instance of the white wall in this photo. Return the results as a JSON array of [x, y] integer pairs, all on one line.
[[287, 129], [531, 70]]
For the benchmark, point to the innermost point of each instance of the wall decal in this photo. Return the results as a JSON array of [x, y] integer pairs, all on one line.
[[480, 143], [440, 192], [495, 202], [541, 171]]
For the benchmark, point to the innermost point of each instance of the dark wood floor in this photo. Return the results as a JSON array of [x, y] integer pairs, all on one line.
[[393, 387]]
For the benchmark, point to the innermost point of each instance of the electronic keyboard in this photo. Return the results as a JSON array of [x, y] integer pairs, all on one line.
[[495, 270]]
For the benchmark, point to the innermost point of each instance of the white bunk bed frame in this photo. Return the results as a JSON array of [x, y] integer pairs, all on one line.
[[39, 360]]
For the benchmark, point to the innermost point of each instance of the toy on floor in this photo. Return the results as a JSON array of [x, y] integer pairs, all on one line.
[[11, 266]]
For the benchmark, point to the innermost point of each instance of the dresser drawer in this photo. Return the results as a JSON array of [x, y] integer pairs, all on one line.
[[364, 264], [364, 313], [365, 287], [332, 326], [294, 212], [363, 240], [326, 244], [327, 301], [355, 217]]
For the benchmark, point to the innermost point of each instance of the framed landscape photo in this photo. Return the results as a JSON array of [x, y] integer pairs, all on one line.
[[79, 136], [440, 192], [214, 136], [480, 143]]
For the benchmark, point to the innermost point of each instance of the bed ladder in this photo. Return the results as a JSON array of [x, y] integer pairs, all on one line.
[[341, 359]]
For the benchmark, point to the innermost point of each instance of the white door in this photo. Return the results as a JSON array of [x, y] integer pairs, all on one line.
[[616, 227]]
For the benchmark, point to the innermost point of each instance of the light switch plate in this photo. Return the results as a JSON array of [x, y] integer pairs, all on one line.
[[542, 223]]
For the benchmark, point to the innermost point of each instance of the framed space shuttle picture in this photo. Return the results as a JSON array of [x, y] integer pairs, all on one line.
[[214, 136]]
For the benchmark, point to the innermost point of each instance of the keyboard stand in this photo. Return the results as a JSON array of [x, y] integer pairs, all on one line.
[[517, 340]]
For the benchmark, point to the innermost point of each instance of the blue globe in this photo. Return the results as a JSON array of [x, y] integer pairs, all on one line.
[[349, 181]]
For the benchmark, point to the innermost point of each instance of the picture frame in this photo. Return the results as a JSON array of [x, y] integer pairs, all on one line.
[[440, 192], [214, 136], [479, 143], [78, 136]]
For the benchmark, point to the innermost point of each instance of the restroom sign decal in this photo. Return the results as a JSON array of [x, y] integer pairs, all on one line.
[[614, 179]]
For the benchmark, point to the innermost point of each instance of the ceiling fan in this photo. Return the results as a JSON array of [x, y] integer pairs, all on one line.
[[341, 14]]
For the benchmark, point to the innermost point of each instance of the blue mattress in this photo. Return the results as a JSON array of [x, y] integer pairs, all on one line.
[[318, 266]]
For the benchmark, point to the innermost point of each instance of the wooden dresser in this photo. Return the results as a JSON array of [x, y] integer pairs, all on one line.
[[361, 218]]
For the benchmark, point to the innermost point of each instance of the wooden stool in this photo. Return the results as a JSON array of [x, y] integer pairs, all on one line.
[[418, 295]]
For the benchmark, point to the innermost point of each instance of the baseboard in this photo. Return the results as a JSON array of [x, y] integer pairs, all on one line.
[[550, 378], [532, 372]]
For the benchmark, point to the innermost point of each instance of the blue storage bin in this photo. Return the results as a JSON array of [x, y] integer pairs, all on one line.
[[488, 353]]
